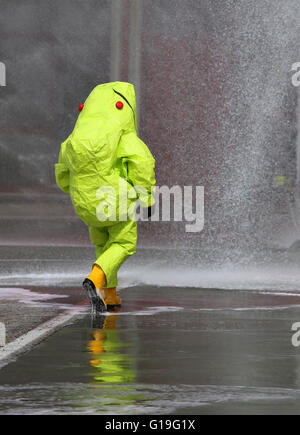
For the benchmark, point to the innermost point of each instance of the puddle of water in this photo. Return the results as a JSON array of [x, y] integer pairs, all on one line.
[[142, 399], [163, 359]]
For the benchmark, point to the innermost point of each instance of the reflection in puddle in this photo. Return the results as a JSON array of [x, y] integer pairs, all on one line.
[[112, 366], [114, 371], [169, 360]]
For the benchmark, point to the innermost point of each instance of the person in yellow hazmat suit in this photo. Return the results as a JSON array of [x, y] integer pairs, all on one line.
[[106, 169]]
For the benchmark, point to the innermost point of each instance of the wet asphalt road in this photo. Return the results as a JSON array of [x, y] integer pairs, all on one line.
[[23, 309], [169, 351]]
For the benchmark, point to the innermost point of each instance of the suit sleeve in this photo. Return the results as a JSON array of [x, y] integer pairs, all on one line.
[[62, 174], [138, 167]]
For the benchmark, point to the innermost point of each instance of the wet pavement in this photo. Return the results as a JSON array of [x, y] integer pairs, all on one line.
[[169, 351], [23, 309]]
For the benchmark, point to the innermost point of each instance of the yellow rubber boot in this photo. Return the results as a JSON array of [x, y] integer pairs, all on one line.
[[98, 277], [112, 300], [93, 285]]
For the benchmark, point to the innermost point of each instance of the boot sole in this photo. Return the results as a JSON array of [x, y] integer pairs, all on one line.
[[95, 299], [113, 307]]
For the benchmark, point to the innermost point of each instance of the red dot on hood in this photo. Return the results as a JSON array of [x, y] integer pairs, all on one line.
[[81, 107], [119, 105]]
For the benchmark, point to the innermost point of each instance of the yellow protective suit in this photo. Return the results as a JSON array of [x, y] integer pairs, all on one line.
[[106, 168]]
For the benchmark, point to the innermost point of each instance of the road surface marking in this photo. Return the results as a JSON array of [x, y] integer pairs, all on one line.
[[35, 336]]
